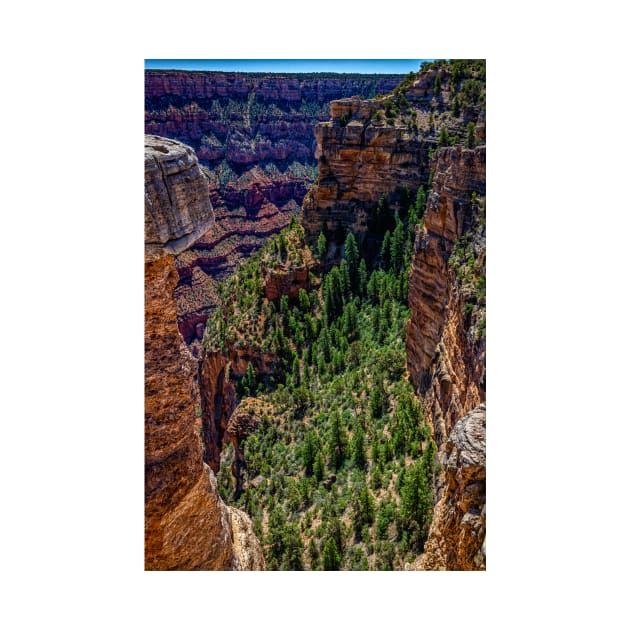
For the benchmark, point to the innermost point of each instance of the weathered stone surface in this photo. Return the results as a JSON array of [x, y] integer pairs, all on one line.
[[358, 162], [246, 545], [279, 282], [187, 526], [445, 361], [177, 209], [456, 539]]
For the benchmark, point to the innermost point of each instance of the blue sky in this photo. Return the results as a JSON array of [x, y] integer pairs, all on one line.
[[367, 66]]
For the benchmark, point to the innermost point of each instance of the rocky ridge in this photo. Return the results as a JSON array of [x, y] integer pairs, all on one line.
[[187, 526]]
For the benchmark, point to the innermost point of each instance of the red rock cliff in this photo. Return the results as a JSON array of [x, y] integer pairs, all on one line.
[[446, 353], [445, 348], [187, 526], [360, 159]]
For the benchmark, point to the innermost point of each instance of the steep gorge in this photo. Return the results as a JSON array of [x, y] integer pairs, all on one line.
[[253, 135], [187, 525], [372, 156]]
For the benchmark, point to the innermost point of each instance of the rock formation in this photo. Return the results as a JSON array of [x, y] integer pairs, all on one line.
[[445, 352], [458, 530], [360, 159], [255, 132], [187, 526]]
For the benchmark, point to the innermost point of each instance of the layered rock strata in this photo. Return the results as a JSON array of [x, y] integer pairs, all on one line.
[[458, 530], [255, 133], [360, 160], [445, 353], [187, 526]]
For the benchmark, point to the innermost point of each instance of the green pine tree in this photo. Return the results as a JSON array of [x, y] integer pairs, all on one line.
[[321, 245], [386, 250], [330, 556], [363, 278], [351, 253]]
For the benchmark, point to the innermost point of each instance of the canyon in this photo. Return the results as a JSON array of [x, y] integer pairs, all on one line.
[[253, 136], [374, 156]]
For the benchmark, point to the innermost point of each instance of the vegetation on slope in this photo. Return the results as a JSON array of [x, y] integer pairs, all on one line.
[[339, 472]]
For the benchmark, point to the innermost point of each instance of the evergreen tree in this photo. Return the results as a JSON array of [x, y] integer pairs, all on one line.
[[275, 536], [397, 247], [282, 246], [295, 373], [303, 301], [358, 446], [292, 557], [363, 278], [470, 135], [337, 441], [363, 509], [456, 107], [346, 286], [248, 383], [421, 202], [330, 556], [313, 553], [377, 398], [319, 466], [351, 253], [386, 250], [309, 452], [321, 245], [437, 84]]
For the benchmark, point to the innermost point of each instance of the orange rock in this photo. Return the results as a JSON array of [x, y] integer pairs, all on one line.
[[187, 526]]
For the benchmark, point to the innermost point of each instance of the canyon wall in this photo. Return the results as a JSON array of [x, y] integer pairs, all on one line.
[[360, 159], [187, 526], [253, 133], [445, 349], [446, 353]]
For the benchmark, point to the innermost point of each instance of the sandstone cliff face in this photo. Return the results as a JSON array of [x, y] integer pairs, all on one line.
[[255, 132], [359, 160], [457, 536], [187, 526], [445, 354]]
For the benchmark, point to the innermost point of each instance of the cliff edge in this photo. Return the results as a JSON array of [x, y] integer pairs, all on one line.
[[187, 526]]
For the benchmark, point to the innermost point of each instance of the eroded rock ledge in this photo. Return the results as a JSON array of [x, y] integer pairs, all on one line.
[[187, 526], [458, 531]]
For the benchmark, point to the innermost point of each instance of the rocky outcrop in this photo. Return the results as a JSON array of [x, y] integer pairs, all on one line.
[[247, 547], [255, 133], [360, 159], [445, 352], [187, 526], [457, 535], [177, 209], [279, 282]]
